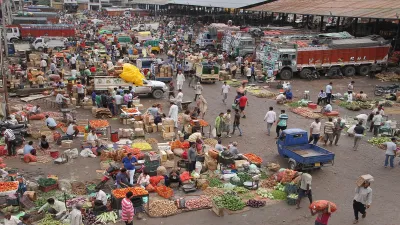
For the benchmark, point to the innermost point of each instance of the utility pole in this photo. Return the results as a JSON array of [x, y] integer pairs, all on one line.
[[21, 4], [4, 31], [13, 4], [3, 70], [9, 12]]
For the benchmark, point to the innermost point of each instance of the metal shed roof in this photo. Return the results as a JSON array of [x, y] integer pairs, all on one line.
[[381, 9], [206, 3]]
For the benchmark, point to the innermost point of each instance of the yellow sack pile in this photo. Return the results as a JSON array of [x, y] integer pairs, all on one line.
[[132, 74]]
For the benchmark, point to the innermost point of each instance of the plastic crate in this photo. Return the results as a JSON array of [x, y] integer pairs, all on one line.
[[48, 188]]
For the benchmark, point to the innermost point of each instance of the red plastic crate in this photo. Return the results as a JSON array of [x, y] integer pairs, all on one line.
[[312, 105]]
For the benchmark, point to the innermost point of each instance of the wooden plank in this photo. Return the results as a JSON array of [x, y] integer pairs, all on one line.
[[34, 97]]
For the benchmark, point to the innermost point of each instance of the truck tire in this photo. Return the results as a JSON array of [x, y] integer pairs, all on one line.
[[286, 74], [349, 71], [157, 94], [305, 72], [363, 70], [40, 49], [13, 40]]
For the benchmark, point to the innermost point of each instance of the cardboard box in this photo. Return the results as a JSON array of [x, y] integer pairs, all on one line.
[[164, 157], [170, 154], [159, 127], [138, 124], [139, 106], [138, 118], [168, 135], [130, 121], [148, 128], [73, 101], [168, 129], [139, 132], [168, 121], [124, 121], [66, 143], [154, 127], [363, 178]]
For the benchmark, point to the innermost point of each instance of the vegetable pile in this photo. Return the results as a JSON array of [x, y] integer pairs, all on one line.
[[8, 186], [278, 195], [199, 203], [379, 140], [160, 208], [210, 141], [240, 190], [230, 202], [48, 220], [202, 123], [74, 201], [121, 193], [213, 192], [253, 158], [98, 123], [255, 203], [45, 182], [294, 196], [215, 182], [89, 219], [144, 146], [279, 187], [107, 217]]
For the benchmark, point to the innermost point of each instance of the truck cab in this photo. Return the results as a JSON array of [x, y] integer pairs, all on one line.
[[243, 46], [205, 40], [281, 58], [13, 34], [206, 72], [52, 42]]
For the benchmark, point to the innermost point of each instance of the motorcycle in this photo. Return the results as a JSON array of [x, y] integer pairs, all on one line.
[[111, 173], [391, 89]]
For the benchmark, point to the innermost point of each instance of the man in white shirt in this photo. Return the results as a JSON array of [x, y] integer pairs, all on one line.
[[179, 99], [43, 65], [118, 102], [327, 108], [328, 91], [60, 99], [54, 207], [101, 195], [350, 89], [180, 78], [377, 121], [391, 149], [72, 61], [74, 73], [92, 138], [224, 91], [305, 187], [10, 220], [362, 200], [315, 130], [270, 117]]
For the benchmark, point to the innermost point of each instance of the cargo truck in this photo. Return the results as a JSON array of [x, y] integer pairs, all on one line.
[[350, 56], [206, 72], [31, 31], [212, 38]]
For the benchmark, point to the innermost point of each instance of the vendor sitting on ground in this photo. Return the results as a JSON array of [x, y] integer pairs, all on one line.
[[174, 178], [281, 98], [101, 196], [143, 179], [289, 94], [43, 143], [50, 123], [99, 207], [361, 96], [35, 110], [218, 146], [72, 130], [54, 207], [92, 138], [29, 149], [327, 109], [123, 179], [234, 150]]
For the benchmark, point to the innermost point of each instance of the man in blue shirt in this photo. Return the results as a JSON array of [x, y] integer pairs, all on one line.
[[50, 123], [28, 149], [122, 179], [129, 164]]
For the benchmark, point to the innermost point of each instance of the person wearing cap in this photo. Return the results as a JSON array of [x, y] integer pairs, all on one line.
[[76, 215], [305, 187], [10, 220], [391, 149], [362, 200]]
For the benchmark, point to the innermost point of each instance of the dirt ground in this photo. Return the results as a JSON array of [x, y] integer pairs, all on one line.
[[334, 183]]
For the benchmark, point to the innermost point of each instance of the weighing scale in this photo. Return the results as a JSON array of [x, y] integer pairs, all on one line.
[[253, 184]]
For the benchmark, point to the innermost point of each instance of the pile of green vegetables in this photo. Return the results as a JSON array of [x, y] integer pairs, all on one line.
[[279, 187], [230, 202], [48, 220], [215, 182], [293, 196], [45, 182], [240, 190], [273, 195], [379, 140]]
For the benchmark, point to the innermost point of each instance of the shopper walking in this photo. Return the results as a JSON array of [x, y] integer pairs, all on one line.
[[180, 78], [358, 134], [224, 91], [328, 91], [202, 104], [315, 131], [227, 122], [219, 125], [198, 90], [236, 122], [281, 123], [391, 149], [377, 121], [350, 89], [362, 200], [339, 125], [328, 131], [270, 117], [127, 209], [243, 102]]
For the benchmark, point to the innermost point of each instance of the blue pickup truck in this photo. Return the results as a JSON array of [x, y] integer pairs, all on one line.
[[293, 144]]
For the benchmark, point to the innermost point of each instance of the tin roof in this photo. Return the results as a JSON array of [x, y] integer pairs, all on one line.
[[206, 3], [381, 9]]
